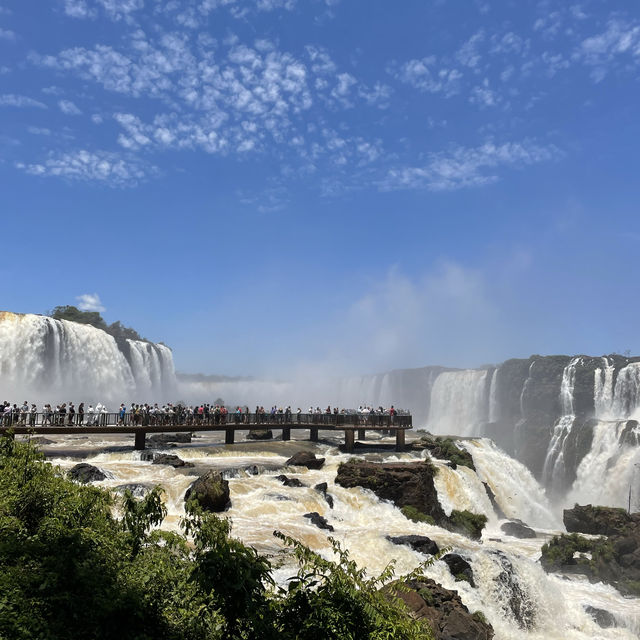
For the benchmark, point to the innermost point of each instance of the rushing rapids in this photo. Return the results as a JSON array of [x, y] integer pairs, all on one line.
[[517, 597]]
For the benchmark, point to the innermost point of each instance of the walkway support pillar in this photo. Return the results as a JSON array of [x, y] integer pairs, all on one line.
[[313, 434], [362, 434], [286, 433], [399, 439], [348, 440], [229, 436], [140, 436]]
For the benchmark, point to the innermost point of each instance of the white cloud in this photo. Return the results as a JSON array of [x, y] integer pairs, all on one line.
[[7, 34], [39, 131], [90, 302], [469, 54], [104, 167], [467, 167], [78, 9], [13, 100], [69, 108], [424, 75]]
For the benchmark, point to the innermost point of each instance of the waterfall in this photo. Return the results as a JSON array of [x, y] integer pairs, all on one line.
[[611, 469], [603, 388], [494, 408], [54, 360], [553, 468], [516, 490], [459, 402]]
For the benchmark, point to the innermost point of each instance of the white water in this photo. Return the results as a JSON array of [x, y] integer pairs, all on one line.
[[459, 402], [494, 407], [622, 399], [261, 504], [610, 469], [553, 470], [42, 359]]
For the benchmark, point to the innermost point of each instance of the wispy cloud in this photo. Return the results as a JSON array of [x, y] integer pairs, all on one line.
[[13, 100], [90, 302], [69, 108], [468, 167], [105, 167], [426, 75], [7, 34]]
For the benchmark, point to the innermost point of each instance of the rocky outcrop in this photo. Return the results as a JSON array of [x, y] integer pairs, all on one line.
[[404, 484], [514, 597], [613, 558], [260, 434], [138, 490], [518, 529], [444, 449], [410, 486], [171, 460], [305, 459], [290, 482], [85, 473], [318, 520], [211, 492], [604, 618], [459, 567], [322, 489], [443, 610], [166, 438], [421, 544]]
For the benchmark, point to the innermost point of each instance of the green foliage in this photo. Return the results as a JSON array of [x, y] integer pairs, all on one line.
[[469, 523], [478, 616], [336, 601], [77, 562], [447, 449], [416, 515], [560, 551], [69, 312]]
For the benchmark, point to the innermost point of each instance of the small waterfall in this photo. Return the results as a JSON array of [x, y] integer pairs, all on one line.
[[603, 389], [611, 469], [459, 402], [494, 408], [553, 470], [626, 393], [516, 490]]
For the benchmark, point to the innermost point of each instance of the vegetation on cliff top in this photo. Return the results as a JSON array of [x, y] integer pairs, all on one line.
[[71, 568]]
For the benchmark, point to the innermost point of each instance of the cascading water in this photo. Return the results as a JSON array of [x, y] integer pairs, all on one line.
[[459, 402], [46, 359], [494, 407], [553, 470]]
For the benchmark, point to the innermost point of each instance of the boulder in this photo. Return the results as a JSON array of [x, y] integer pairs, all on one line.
[[443, 609], [318, 520], [165, 438], [518, 529], [516, 600], [597, 521], [41, 440], [305, 459], [260, 434], [444, 448], [171, 460], [85, 473], [290, 482], [494, 502], [604, 618], [211, 491], [138, 490], [459, 567], [421, 544], [322, 488]]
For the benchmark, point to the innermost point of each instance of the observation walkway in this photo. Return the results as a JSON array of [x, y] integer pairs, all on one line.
[[354, 426]]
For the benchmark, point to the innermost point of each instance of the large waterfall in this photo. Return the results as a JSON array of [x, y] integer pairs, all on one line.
[[46, 359]]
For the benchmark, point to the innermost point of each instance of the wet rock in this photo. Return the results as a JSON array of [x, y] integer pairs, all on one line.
[[518, 529], [41, 441], [494, 502], [211, 491], [138, 490], [404, 484], [443, 609], [305, 459], [280, 498], [598, 521], [459, 567], [171, 460], [604, 618], [318, 520], [513, 596], [85, 473], [260, 434], [165, 438], [290, 482], [322, 488], [421, 544]]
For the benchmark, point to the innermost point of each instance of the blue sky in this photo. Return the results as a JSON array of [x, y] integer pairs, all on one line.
[[272, 185]]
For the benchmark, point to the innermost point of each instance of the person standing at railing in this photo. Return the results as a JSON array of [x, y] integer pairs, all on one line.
[[81, 414], [33, 415], [72, 415]]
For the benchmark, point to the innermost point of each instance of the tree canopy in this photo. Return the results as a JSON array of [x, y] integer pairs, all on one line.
[[115, 329]]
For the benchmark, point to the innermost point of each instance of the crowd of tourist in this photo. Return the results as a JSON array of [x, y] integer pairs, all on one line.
[[67, 414]]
